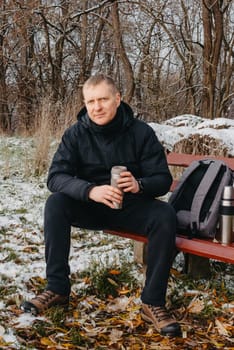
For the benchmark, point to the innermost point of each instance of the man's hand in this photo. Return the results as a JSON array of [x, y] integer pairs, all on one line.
[[127, 182], [106, 194]]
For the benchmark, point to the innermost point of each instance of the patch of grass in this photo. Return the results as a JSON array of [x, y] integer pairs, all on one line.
[[211, 292], [23, 219], [42, 328], [12, 256], [3, 231], [109, 280], [16, 157], [209, 312], [57, 315], [76, 338], [6, 290], [21, 211]]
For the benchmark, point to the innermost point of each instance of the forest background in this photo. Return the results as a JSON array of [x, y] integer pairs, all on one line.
[[168, 57]]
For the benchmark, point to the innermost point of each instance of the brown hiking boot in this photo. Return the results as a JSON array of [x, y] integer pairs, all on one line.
[[43, 302], [161, 319]]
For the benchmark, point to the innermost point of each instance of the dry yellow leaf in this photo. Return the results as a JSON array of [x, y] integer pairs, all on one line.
[[47, 341], [123, 291], [68, 345], [115, 272]]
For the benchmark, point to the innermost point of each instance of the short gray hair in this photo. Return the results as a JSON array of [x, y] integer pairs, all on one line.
[[99, 78]]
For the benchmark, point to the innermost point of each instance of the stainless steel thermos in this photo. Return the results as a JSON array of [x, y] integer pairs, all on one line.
[[226, 215], [115, 173]]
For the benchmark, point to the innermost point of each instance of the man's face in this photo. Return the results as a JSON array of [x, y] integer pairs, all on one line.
[[101, 102]]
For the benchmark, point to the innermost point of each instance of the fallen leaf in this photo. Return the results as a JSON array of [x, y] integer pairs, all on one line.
[[115, 272], [112, 282], [221, 328], [118, 304], [115, 336], [196, 306], [47, 341], [2, 330], [123, 291]]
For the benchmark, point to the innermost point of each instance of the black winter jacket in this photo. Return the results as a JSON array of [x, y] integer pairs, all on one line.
[[88, 151]]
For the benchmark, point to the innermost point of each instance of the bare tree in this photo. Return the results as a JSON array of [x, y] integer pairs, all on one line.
[[169, 57], [5, 121], [212, 16], [122, 55], [200, 55], [225, 79]]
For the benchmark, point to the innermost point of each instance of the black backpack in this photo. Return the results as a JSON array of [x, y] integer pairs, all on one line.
[[197, 196]]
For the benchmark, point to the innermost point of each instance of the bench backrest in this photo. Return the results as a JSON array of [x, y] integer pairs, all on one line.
[[184, 160]]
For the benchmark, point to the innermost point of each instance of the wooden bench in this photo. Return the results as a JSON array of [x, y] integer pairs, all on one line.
[[206, 248]]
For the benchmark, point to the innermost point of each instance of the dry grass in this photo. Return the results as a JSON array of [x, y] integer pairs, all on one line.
[[42, 138], [50, 122], [201, 144]]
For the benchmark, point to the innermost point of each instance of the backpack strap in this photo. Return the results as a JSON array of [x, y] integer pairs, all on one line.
[[182, 182], [200, 195]]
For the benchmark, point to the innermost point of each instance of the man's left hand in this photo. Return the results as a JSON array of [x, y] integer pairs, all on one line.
[[127, 182]]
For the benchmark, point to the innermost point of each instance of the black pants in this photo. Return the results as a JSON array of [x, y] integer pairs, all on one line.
[[153, 218]]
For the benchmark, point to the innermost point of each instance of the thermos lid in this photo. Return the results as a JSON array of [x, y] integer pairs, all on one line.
[[228, 192], [117, 169]]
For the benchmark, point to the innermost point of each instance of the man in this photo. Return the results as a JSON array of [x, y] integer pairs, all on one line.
[[105, 135]]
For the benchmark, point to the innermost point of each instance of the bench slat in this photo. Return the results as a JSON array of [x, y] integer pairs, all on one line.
[[184, 160], [206, 248], [202, 247], [130, 235]]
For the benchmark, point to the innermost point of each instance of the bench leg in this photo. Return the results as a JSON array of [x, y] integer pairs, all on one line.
[[197, 266], [140, 252], [140, 249]]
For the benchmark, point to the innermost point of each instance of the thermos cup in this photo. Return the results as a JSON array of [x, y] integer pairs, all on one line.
[[115, 173]]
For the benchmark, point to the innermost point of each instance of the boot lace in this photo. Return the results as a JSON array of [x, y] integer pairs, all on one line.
[[45, 297], [160, 313]]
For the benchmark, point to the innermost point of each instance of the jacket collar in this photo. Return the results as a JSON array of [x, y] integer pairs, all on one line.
[[123, 118]]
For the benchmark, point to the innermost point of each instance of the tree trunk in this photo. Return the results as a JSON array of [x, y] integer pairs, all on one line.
[[213, 34], [127, 68], [5, 121]]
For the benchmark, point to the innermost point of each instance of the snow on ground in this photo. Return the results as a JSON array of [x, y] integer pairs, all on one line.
[[22, 199]]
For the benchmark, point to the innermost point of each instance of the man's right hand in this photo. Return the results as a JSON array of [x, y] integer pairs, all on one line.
[[106, 194]]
